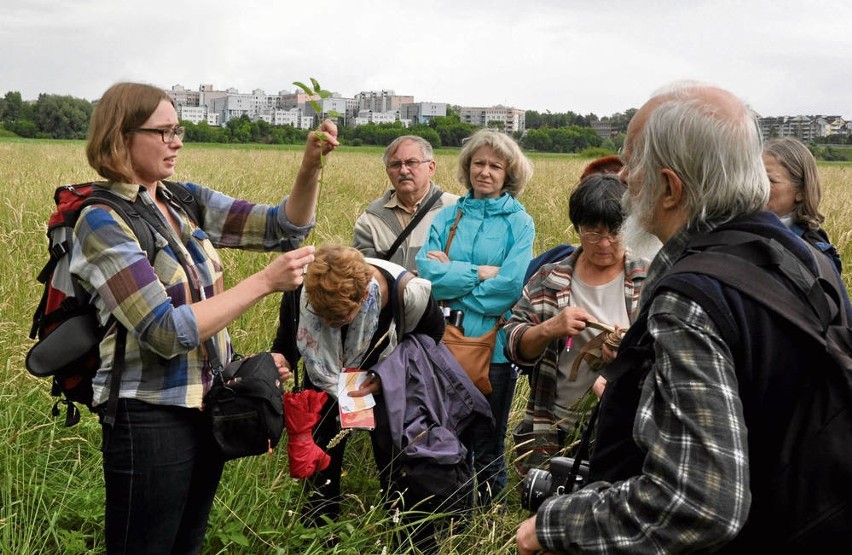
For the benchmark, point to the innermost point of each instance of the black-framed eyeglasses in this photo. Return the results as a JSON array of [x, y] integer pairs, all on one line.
[[411, 164], [168, 134], [593, 237]]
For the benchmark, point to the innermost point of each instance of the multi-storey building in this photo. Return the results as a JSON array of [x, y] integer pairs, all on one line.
[[197, 114], [804, 128], [368, 116], [381, 101], [422, 112], [511, 119], [385, 106], [182, 97], [603, 128]]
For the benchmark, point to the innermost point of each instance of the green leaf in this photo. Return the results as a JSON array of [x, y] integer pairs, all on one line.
[[323, 94], [317, 87], [303, 87]]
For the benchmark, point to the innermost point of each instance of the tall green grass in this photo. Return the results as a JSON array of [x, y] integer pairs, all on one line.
[[51, 492]]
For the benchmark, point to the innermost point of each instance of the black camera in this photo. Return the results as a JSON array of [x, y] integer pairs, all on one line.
[[539, 484]]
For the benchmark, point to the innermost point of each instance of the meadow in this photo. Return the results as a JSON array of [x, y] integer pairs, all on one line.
[[51, 489]]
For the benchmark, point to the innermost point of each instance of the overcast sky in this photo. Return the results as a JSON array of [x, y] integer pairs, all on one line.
[[783, 57]]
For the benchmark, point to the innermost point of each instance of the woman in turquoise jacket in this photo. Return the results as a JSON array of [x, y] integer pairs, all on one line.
[[482, 275]]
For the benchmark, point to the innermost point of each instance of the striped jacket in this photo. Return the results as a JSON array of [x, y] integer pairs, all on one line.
[[548, 292]]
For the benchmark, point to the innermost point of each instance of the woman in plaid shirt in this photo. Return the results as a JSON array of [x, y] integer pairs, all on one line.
[[160, 468]]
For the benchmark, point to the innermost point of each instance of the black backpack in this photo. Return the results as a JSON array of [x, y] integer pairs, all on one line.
[[812, 493], [65, 321]]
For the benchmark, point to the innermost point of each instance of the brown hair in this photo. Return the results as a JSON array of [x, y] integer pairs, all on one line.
[[121, 108], [801, 166], [336, 281], [607, 164]]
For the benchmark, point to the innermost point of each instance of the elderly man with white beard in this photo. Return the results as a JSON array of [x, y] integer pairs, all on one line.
[[688, 429]]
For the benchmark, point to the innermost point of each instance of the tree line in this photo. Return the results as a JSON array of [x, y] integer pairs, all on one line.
[[65, 117]]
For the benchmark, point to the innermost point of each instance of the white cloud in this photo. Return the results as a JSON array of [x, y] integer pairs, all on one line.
[[784, 57]]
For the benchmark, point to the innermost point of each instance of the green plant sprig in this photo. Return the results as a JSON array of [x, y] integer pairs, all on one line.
[[313, 91]]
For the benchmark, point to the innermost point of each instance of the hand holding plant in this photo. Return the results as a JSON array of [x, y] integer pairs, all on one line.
[[321, 142], [324, 138]]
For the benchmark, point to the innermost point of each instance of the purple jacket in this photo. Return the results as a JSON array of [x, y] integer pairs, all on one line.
[[428, 399]]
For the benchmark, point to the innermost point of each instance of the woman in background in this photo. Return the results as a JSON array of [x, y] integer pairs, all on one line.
[[795, 192], [482, 275]]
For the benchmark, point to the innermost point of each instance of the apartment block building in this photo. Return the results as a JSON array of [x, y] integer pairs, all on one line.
[[368, 116], [804, 128], [197, 114], [422, 112], [512, 119], [381, 101]]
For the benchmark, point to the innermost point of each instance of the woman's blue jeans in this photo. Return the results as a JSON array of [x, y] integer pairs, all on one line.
[[488, 445], [161, 472]]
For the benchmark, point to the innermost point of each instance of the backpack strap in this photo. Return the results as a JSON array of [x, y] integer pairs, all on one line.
[[128, 212], [181, 194], [811, 312], [155, 220], [398, 302], [117, 371]]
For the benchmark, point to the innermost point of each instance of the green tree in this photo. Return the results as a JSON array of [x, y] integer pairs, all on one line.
[[451, 129], [562, 139], [239, 129], [62, 117], [11, 106], [23, 128], [537, 139]]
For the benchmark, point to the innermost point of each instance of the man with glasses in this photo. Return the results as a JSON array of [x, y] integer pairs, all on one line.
[[395, 226]]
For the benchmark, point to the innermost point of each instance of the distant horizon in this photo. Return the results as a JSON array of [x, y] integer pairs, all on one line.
[[296, 90]]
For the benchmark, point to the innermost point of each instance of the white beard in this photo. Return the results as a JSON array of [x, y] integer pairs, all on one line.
[[638, 240]]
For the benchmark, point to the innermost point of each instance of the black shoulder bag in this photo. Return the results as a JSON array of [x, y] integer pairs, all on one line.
[[244, 405]]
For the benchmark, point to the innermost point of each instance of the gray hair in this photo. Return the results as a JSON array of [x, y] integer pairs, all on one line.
[[801, 165], [519, 169], [711, 140], [425, 147]]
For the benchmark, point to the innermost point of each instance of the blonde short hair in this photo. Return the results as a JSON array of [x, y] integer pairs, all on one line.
[[519, 169]]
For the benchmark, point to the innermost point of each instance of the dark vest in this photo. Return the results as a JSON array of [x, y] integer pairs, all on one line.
[[770, 365]]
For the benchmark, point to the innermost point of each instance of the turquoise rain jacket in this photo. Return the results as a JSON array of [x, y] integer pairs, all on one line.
[[492, 232]]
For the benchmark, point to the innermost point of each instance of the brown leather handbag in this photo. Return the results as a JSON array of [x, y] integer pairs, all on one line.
[[473, 353]]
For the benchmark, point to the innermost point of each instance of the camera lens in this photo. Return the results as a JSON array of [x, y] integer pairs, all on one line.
[[537, 486]]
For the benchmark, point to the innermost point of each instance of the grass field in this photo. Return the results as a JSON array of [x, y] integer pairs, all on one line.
[[51, 490]]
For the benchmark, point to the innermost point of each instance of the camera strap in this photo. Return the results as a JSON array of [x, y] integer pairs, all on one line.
[[583, 449]]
